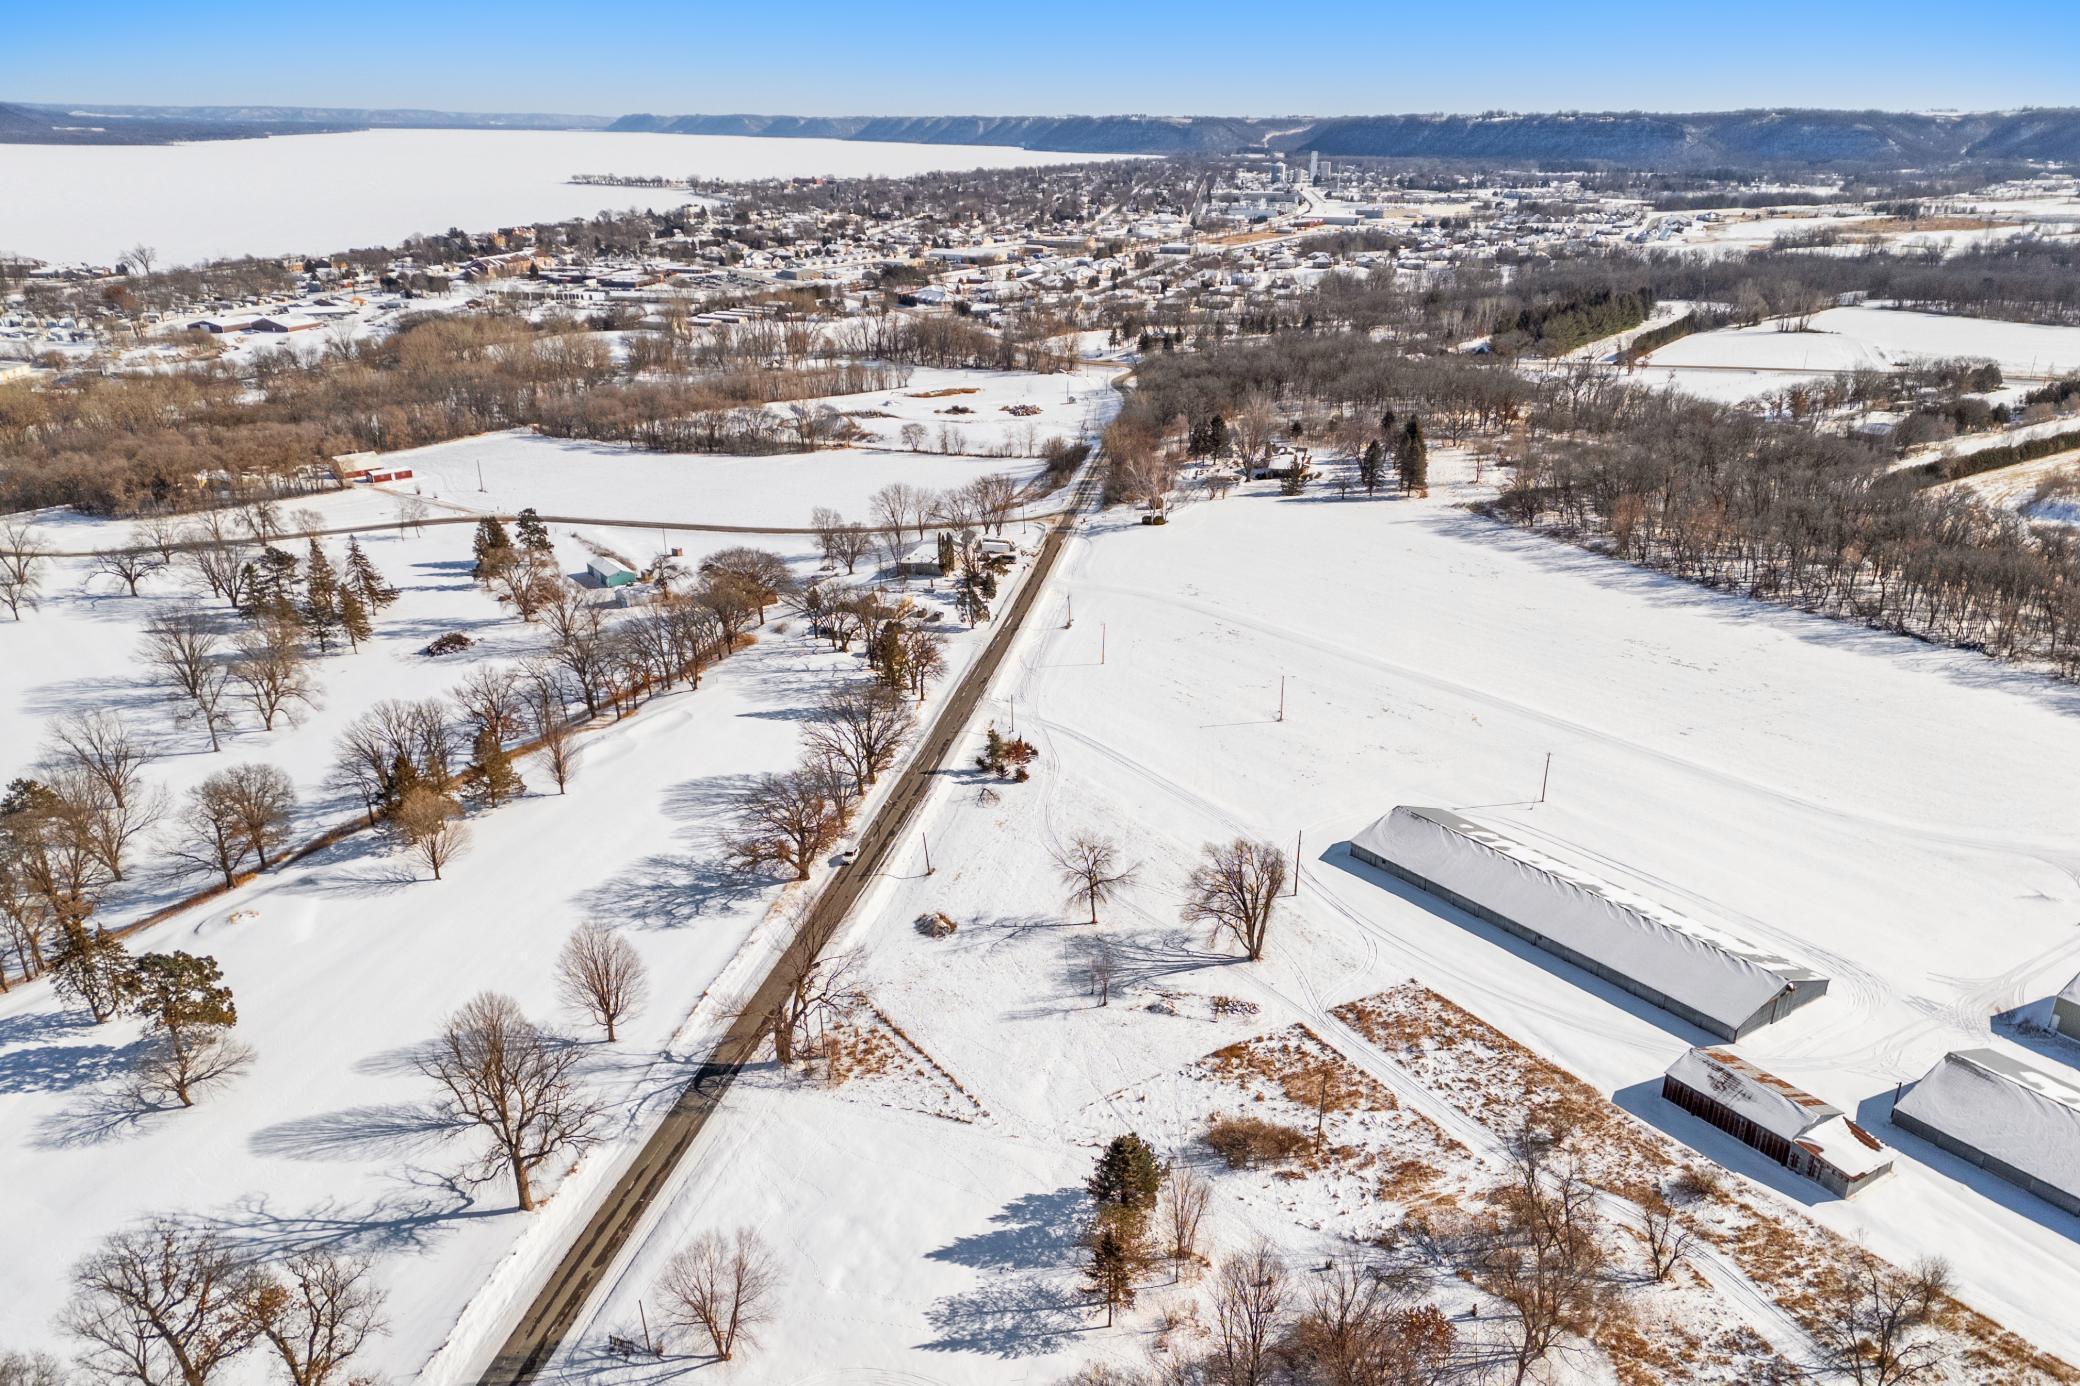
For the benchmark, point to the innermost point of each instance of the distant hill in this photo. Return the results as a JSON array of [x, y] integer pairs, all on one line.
[[1628, 139], [1777, 138], [93, 123], [1131, 134]]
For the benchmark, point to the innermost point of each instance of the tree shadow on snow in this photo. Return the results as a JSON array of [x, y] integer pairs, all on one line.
[[670, 891], [355, 1133], [410, 1220], [1023, 1306], [98, 1117]]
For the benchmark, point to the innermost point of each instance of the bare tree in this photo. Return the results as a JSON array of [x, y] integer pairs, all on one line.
[[431, 824], [1356, 1330], [1234, 888], [815, 990], [32, 1369], [1186, 1195], [317, 1313], [548, 721], [995, 497], [577, 634], [159, 1303], [231, 815], [514, 1081], [182, 645], [263, 802], [128, 566], [177, 1065], [722, 1287], [1665, 1232], [19, 588], [790, 819], [1879, 1325], [901, 507], [1248, 1299], [108, 761], [862, 729], [1090, 867], [840, 539], [271, 667], [600, 973]]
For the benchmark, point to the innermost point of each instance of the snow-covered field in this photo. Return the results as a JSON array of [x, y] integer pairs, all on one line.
[[601, 481], [1742, 362], [347, 960], [1896, 815], [310, 194]]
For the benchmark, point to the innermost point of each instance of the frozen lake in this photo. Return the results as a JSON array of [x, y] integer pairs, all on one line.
[[313, 194]]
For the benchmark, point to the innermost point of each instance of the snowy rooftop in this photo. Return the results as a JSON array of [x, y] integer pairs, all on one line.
[[1778, 1107], [2017, 1113], [1713, 935]]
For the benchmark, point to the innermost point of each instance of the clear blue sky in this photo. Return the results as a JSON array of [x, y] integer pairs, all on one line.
[[827, 57]]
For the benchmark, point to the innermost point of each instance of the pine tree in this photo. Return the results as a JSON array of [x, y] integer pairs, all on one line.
[[970, 600], [497, 781], [1412, 458], [321, 617], [90, 967], [1128, 1175], [992, 758], [178, 991], [353, 617], [273, 583], [1372, 466], [367, 583], [1118, 1250], [491, 545], [404, 778], [533, 534], [946, 554]]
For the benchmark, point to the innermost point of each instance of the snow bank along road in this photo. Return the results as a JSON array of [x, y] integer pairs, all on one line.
[[579, 1273]]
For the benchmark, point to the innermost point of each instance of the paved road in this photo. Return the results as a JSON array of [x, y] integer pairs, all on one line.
[[540, 1331]]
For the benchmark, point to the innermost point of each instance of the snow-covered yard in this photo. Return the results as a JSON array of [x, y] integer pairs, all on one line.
[[345, 963], [1896, 815]]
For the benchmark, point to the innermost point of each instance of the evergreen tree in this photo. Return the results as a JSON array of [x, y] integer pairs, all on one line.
[[1372, 466], [404, 778], [971, 600], [497, 781], [353, 617], [533, 534], [367, 583], [273, 582], [1128, 1176], [1117, 1250], [1412, 458], [946, 553], [90, 967], [321, 592], [992, 758], [178, 991], [492, 546]]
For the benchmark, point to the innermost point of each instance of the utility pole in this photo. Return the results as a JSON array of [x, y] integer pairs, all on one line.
[[1546, 778], [1281, 697], [1296, 861], [1101, 642], [928, 868], [480, 474]]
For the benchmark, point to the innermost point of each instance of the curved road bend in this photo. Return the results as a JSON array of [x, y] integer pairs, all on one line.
[[535, 1339]]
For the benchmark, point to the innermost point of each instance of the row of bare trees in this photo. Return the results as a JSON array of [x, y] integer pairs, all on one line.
[[174, 1301]]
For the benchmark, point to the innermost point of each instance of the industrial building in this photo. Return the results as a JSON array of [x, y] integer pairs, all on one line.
[[2003, 1115], [1799, 1131], [1702, 972], [2065, 1010]]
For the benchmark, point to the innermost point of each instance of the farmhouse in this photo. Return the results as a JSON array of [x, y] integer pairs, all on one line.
[[1796, 1129], [1705, 973], [2065, 1010], [2004, 1116]]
